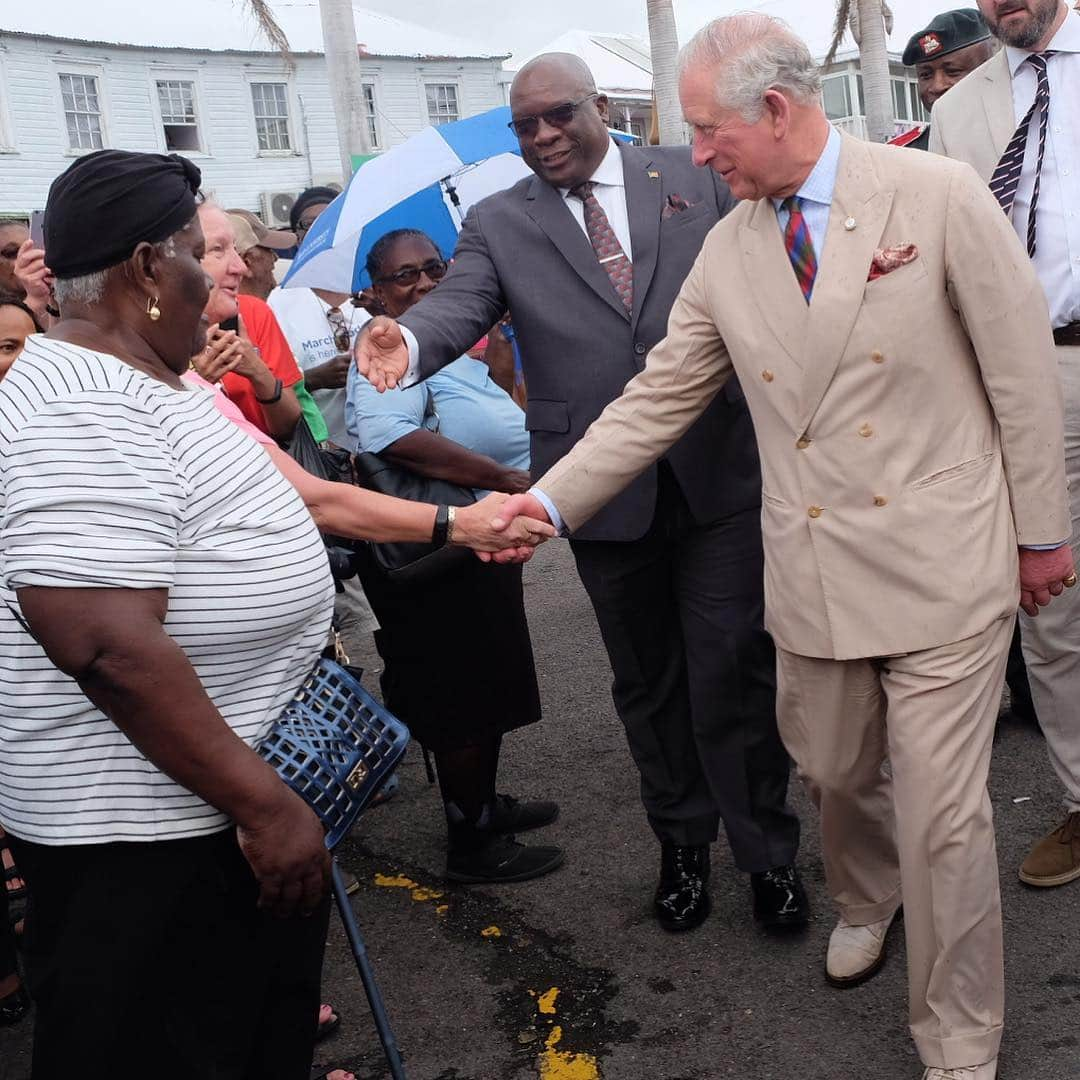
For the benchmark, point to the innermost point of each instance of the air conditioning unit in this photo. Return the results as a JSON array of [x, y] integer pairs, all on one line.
[[276, 206]]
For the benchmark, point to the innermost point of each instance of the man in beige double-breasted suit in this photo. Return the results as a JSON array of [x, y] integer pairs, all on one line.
[[976, 122], [901, 477]]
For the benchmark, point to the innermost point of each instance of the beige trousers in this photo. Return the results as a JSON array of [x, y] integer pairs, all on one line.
[[925, 832], [1052, 639]]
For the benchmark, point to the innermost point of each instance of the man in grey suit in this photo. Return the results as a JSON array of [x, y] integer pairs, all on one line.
[[589, 255]]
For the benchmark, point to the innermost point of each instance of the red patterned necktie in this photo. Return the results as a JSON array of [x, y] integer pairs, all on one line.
[[800, 247], [606, 244], [1006, 178]]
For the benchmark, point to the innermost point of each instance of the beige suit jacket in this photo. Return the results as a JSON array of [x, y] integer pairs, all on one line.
[[910, 428], [975, 120]]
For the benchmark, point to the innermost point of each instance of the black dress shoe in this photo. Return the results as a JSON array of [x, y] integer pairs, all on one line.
[[682, 901], [510, 815], [779, 898], [14, 1007], [501, 859]]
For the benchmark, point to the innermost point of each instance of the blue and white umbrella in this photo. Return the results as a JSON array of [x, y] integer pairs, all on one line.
[[428, 183]]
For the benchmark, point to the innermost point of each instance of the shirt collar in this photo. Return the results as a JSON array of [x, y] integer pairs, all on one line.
[[1067, 39], [609, 171], [819, 186]]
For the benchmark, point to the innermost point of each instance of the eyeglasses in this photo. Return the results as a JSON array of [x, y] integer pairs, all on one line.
[[525, 127], [434, 268]]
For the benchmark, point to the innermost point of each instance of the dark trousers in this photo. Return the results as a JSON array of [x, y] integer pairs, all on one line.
[[151, 959], [8, 963], [680, 611]]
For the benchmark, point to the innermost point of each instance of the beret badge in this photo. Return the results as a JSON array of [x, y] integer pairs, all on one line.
[[930, 44]]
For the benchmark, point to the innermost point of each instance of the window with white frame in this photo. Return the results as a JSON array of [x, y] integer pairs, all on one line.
[[442, 103], [918, 110], [179, 120], [369, 112], [82, 111], [271, 103], [836, 95], [901, 105]]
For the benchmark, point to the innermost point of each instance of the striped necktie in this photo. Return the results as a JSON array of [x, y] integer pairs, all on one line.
[[606, 244], [800, 247], [1006, 178]]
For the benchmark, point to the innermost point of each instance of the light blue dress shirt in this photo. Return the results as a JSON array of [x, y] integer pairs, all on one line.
[[471, 409], [817, 194]]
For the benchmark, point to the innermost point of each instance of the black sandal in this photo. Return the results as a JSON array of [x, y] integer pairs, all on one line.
[[11, 872], [14, 1007]]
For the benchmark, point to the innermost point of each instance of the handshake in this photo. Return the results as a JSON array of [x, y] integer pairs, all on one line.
[[503, 528]]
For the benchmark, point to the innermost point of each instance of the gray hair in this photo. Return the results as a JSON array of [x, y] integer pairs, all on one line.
[[84, 289], [752, 54]]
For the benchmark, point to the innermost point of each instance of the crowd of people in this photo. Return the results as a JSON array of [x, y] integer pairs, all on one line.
[[805, 536]]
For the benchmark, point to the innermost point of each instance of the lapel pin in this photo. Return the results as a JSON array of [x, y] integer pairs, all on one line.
[[850, 224], [653, 175]]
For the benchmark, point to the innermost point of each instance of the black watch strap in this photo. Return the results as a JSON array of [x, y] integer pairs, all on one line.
[[442, 526], [275, 397]]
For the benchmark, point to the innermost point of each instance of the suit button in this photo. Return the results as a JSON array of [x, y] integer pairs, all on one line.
[[767, 375], [639, 348], [880, 500], [877, 357], [866, 431], [815, 511], [802, 444]]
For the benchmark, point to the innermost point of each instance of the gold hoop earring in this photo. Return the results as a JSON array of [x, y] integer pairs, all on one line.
[[152, 309]]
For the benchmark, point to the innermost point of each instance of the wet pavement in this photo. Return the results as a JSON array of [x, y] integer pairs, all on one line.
[[569, 977]]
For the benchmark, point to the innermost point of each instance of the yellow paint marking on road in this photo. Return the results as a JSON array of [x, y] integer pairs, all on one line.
[[423, 893], [546, 1001], [558, 1064], [442, 909], [491, 931], [395, 881]]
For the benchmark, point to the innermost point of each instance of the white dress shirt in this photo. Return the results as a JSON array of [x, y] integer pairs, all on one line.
[[610, 192], [1057, 255]]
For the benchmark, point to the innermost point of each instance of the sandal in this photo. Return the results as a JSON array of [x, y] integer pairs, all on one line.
[[11, 871], [319, 1073], [328, 1026], [14, 1007]]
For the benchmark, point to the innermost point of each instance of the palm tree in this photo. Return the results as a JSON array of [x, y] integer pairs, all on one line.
[[869, 21], [342, 68], [664, 44]]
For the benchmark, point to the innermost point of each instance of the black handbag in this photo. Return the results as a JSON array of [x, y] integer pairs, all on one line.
[[413, 562]]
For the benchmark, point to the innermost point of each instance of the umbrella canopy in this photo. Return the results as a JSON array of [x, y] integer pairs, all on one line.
[[409, 187], [427, 182]]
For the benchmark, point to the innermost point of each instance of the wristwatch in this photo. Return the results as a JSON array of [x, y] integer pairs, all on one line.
[[275, 397], [440, 533]]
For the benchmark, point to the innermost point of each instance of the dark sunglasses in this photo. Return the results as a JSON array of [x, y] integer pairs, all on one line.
[[524, 127], [435, 269]]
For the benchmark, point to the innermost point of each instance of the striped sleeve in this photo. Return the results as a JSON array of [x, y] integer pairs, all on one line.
[[93, 497]]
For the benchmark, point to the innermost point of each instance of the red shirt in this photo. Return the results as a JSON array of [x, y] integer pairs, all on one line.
[[262, 327]]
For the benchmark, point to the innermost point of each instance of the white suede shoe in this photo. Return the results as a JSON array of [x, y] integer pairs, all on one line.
[[856, 952], [975, 1072]]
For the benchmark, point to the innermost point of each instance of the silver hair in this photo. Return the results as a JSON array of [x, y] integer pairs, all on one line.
[[751, 54], [84, 289]]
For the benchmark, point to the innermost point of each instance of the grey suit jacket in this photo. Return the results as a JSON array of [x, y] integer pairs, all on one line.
[[521, 249]]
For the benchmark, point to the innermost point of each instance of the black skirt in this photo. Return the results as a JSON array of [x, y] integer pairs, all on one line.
[[458, 660]]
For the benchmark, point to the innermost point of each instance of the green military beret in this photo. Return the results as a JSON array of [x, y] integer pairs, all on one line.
[[949, 31]]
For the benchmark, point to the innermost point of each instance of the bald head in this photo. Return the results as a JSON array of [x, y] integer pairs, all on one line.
[[566, 70], [560, 119]]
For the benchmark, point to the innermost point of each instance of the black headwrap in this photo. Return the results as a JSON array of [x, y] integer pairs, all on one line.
[[106, 203], [311, 196]]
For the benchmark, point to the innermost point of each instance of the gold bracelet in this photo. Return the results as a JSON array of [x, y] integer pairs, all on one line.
[[450, 511]]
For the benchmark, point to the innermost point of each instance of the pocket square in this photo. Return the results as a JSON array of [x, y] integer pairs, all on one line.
[[886, 260], [674, 204]]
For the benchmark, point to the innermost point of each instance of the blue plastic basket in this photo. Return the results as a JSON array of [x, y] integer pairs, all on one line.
[[335, 746]]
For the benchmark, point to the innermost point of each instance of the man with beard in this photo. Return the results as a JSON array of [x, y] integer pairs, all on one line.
[[1015, 121]]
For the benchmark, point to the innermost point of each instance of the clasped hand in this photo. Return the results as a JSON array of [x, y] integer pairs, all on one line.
[[1043, 575], [496, 535]]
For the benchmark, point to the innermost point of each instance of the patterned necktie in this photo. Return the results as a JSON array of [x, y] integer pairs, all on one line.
[[606, 244], [799, 246], [1006, 178]]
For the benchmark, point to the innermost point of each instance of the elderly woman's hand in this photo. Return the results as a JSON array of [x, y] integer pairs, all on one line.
[[286, 850], [514, 543]]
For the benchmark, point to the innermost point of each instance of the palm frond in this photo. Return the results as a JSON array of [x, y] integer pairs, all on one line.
[[843, 17], [268, 24]]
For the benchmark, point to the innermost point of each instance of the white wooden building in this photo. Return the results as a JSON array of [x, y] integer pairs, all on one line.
[[196, 77], [842, 95]]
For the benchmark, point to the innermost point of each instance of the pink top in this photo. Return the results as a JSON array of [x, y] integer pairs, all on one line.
[[229, 409]]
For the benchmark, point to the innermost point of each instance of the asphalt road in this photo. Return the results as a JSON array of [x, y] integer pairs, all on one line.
[[569, 977]]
